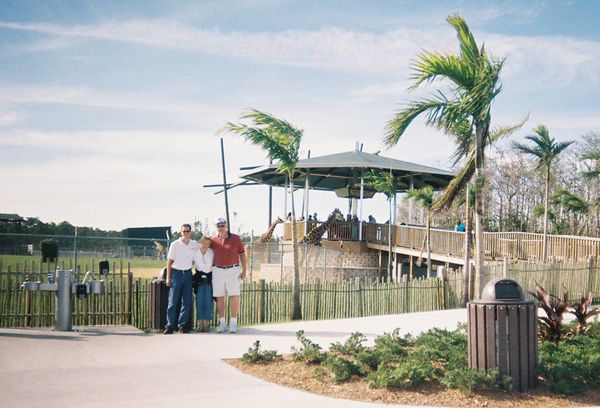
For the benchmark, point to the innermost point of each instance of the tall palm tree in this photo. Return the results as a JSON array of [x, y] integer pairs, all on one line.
[[385, 183], [464, 111], [545, 149], [574, 204], [424, 196], [281, 141], [594, 171]]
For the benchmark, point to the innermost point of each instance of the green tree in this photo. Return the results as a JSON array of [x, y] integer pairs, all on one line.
[[573, 204], [424, 196], [545, 149], [385, 183], [464, 111], [593, 172], [281, 141]]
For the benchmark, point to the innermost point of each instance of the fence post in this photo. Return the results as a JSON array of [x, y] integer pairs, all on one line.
[[261, 300], [251, 253], [317, 298], [590, 265], [359, 289], [27, 308], [281, 263], [128, 297], [505, 267]]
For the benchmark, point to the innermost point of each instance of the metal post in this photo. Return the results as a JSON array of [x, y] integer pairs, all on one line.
[[281, 263], [75, 249], [285, 198], [225, 185], [411, 201], [64, 302], [270, 204], [362, 193], [324, 264]]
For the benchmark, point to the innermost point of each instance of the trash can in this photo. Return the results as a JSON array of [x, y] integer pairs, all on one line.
[[502, 332], [159, 300]]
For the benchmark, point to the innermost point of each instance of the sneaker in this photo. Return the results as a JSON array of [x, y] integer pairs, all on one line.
[[221, 328], [168, 330], [233, 328]]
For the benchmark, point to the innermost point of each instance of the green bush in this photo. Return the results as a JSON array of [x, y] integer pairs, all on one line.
[[352, 346], [392, 347], [308, 351], [466, 380], [371, 358], [342, 368], [569, 365], [255, 355], [406, 375], [447, 350]]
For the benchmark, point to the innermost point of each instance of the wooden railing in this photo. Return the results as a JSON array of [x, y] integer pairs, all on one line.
[[514, 245]]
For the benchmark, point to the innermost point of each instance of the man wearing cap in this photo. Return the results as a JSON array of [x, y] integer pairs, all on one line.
[[229, 254], [179, 279]]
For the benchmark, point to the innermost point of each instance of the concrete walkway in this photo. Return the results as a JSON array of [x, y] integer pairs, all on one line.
[[123, 367]]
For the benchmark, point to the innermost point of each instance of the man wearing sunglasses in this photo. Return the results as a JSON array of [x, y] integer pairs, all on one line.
[[179, 279], [229, 254]]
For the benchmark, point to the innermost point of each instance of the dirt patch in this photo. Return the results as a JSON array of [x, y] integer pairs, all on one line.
[[298, 375], [146, 272]]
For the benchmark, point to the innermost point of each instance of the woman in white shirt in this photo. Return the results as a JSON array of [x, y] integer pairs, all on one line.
[[203, 258]]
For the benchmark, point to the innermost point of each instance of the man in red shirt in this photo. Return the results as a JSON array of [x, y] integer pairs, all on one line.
[[229, 254]]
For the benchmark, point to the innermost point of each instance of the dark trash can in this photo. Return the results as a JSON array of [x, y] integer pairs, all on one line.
[[159, 300], [502, 330]]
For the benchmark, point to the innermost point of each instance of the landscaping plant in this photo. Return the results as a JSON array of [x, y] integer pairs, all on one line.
[[550, 325], [466, 380], [308, 352], [583, 312], [256, 355]]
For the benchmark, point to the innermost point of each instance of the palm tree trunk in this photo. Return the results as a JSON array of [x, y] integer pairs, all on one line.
[[389, 265], [428, 243], [296, 306], [479, 244], [546, 193], [467, 267]]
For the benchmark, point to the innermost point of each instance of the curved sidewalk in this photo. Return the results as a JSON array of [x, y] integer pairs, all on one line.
[[123, 367]]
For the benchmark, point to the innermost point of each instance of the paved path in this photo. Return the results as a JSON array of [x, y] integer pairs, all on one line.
[[123, 367]]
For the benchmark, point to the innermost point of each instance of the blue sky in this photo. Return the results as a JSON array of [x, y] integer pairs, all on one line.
[[109, 111]]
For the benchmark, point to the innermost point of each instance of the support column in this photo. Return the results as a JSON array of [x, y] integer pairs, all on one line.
[[411, 202], [362, 193]]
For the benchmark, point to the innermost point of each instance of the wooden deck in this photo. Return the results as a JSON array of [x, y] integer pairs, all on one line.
[[448, 246]]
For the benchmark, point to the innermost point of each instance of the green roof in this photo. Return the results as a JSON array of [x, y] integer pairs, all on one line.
[[339, 170]]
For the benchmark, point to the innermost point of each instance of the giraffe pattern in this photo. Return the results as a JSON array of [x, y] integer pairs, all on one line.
[[315, 235], [266, 237], [260, 251]]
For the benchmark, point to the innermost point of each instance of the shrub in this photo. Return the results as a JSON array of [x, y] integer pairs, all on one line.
[[394, 347], [255, 355], [550, 326], [405, 375], [308, 351], [342, 368], [446, 350], [466, 380], [571, 364], [371, 358], [352, 346]]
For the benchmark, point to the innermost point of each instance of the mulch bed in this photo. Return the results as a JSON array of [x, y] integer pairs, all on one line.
[[298, 375]]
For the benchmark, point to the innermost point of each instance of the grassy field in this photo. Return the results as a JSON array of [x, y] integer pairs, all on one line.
[[144, 268]]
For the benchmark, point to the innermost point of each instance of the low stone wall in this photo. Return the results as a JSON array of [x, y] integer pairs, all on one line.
[[321, 263]]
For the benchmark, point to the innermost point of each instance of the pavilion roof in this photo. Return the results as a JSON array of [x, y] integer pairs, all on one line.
[[339, 170]]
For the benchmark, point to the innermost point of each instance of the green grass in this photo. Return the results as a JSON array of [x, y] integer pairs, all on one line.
[[140, 267]]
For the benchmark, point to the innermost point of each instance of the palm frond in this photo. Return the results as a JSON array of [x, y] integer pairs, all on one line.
[[424, 196], [456, 186]]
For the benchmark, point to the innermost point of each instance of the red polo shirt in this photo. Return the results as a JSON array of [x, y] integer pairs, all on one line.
[[227, 251]]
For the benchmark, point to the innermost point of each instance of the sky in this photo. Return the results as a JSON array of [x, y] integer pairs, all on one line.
[[109, 111]]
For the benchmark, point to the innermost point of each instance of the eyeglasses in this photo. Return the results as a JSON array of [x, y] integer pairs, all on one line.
[[185, 231]]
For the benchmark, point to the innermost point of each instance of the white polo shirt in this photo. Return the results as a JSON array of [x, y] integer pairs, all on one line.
[[204, 262], [182, 254]]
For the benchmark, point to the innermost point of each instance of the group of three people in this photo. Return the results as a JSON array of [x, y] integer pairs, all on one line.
[[220, 264]]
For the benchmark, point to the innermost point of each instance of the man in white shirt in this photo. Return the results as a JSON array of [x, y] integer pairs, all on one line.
[[179, 279]]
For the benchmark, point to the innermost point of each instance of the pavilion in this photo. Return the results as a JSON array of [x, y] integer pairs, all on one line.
[[344, 174]]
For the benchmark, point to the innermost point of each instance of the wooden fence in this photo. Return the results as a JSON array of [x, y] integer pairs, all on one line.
[[127, 300], [514, 245]]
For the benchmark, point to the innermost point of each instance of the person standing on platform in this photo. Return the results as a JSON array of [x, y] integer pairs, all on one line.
[[229, 254], [179, 279]]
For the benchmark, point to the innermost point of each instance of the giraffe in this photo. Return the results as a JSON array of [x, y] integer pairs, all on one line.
[[314, 236], [159, 250], [260, 251]]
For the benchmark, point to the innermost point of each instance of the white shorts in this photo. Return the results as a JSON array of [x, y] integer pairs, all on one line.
[[226, 281]]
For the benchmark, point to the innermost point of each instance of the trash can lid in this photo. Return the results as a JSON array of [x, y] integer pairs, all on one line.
[[502, 290]]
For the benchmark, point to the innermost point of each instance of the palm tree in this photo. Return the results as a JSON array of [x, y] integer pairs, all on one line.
[[281, 141], [384, 182], [574, 204], [424, 196], [594, 171], [545, 149], [464, 111]]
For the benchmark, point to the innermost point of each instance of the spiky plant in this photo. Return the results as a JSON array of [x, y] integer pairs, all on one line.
[[583, 312], [554, 307]]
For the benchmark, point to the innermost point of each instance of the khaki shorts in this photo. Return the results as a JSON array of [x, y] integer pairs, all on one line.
[[226, 281]]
